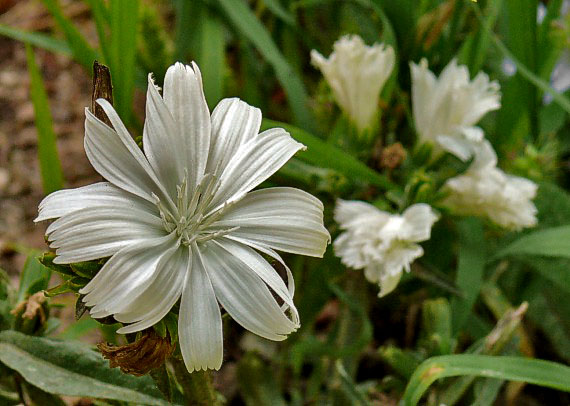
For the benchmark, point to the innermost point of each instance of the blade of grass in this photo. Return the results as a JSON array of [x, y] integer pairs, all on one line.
[[279, 11], [239, 13], [102, 18], [326, 155], [533, 371], [471, 265], [50, 166], [550, 242], [122, 51], [82, 51], [36, 39], [474, 49], [560, 99], [211, 55], [184, 11]]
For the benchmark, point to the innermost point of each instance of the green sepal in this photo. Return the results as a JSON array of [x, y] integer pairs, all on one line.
[[160, 329], [87, 269], [47, 260], [77, 283], [80, 307], [171, 322], [58, 290]]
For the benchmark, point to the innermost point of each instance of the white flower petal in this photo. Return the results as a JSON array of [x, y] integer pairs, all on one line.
[[381, 243], [125, 275], [156, 301], [351, 213], [234, 123], [285, 219], [101, 231], [116, 156], [264, 270], [184, 96], [486, 191], [200, 321], [444, 106], [244, 295], [254, 162], [357, 73], [419, 219], [66, 201], [164, 146], [388, 283]]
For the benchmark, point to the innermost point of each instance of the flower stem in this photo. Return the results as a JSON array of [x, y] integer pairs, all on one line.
[[198, 387]]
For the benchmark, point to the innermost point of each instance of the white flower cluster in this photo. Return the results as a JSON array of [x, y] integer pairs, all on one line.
[[446, 109], [381, 243], [356, 73], [445, 112]]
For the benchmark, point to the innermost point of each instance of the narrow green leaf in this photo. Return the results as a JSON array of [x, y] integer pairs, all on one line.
[[551, 242], [533, 371], [257, 382], [474, 50], [212, 56], [50, 166], [276, 8], [78, 329], [37, 39], [102, 18], [324, 155], [82, 51], [560, 99], [124, 17], [471, 265], [245, 21], [72, 369]]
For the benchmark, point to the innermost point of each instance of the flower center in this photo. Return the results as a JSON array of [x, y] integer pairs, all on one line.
[[191, 220]]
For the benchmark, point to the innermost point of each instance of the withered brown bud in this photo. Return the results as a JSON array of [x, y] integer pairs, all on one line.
[[32, 307], [139, 358], [392, 156]]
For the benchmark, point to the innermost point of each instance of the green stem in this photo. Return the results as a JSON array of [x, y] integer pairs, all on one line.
[[197, 386]]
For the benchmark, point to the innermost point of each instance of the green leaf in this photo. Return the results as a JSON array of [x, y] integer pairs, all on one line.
[[325, 155], [560, 99], [78, 329], [211, 56], [37, 39], [122, 54], [239, 13], [533, 371], [100, 14], [550, 242], [50, 166], [80, 48], [276, 8], [257, 382], [72, 369], [35, 277], [471, 264]]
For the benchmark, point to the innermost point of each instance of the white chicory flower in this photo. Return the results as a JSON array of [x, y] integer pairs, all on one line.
[[179, 220], [381, 243], [486, 191], [446, 109], [356, 73]]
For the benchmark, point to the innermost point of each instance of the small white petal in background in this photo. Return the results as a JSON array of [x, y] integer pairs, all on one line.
[[486, 191], [449, 106], [179, 221], [381, 243], [356, 73]]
